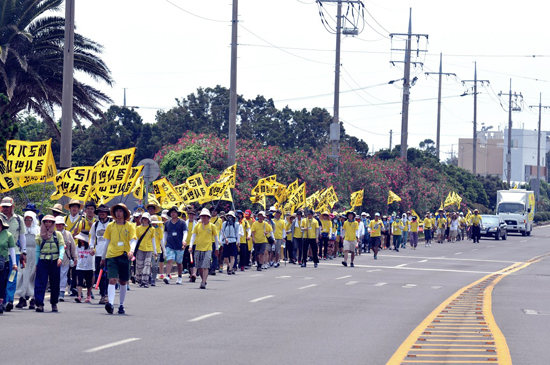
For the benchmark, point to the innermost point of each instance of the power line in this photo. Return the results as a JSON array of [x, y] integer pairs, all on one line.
[[195, 15]]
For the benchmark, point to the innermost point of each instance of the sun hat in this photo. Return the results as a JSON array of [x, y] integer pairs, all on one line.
[[7, 202], [102, 208], [83, 236], [73, 202], [231, 214], [49, 218], [351, 212], [122, 206], [5, 224], [146, 216], [206, 212], [60, 220], [175, 209], [377, 214], [155, 205], [58, 208], [31, 207], [262, 213], [90, 204], [247, 213]]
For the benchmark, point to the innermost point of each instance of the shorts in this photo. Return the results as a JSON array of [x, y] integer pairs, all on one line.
[[278, 245], [230, 250], [161, 257], [202, 259], [259, 248], [349, 245], [84, 276], [269, 247], [441, 231], [174, 255], [118, 268], [340, 242], [375, 242]]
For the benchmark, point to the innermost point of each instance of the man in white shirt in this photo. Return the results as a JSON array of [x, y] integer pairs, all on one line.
[[100, 244]]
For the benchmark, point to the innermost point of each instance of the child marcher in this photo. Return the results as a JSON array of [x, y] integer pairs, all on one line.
[[85, 266]]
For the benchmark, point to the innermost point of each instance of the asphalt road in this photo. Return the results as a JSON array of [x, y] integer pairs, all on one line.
[[328, 315]]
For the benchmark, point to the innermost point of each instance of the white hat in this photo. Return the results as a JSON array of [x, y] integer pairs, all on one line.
[[7, 202], [272, 209], [205, 211], [137, 214], [262, 213], [377, 215], [364, 214], [164, 214], [83, 237], [231, 213], [146, 216], [60, 220]]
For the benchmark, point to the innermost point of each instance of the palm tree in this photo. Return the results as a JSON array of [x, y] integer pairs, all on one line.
[[31, 63]]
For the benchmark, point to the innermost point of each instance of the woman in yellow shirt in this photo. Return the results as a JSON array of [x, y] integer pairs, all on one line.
[[204, 233], [397, 232], [428, 230], [326, 232], [414, 233], [289, 247], [145, 249]]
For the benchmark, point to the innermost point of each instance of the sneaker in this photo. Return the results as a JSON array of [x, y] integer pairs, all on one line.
[[277, 264], [344, 263], [93, 296], [40, 308], [78, 299], [109, 308], [88, 300], [376, 258], [9, 306], [31, 304], [166, 280], [161, 277], [1, 309], [22, 303], [259, 268], [304, 265], [103, 300], [185, 271], [242, 268], [315, 265], [221, 271], [351, 265], [121, 309], [192, 278], [179, 281], [203, 286], [54, 308]]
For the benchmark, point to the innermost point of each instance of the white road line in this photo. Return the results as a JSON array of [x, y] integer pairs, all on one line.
[[343, 277], [491, 246], [401, 265], [283, 277], [475, 249], [308, 286], [262, 298], [409, 286], [437, 258], [256, 275], [458, 253], [373, 270], [423, 261], [118, 343], [351, 282], [523, 241], [425, 269], [308, 278], [200, 318], [380, 284], [437, 287]]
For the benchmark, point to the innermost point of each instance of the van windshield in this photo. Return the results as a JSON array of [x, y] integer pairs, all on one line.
[[515, 208]]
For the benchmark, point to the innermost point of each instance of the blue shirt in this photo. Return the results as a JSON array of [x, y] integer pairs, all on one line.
[[173, 233]]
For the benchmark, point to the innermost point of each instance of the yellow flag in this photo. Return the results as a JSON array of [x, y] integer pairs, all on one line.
[[7, 181], [418, 218], [264, 186], [229, 175], [258, 199], [113, 168], [227, 196], [392, 197], [181, 189], [457, 200], [312, 199], [51, 171], [139, 188], [292, 187], [168, 197], [99, 199], [280, 193], [135, 173], [449, 200], [74, 183], [152, 200], [298, 198], [195, 181], [357, 198], [327, 199], [28, 158]]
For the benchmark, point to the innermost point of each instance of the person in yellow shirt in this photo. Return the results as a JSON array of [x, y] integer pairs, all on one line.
[[414, 232], [289, 244], [376, 227], [261, 230], [406, 224], [297, 238], [145, 249], [310, 232], [397, 232], [203, 234], [428, 230], [351, 237], [326, 232], [244, 252], [121, 243], [74, 218], [476, 226], [279, 234], [441, 224]]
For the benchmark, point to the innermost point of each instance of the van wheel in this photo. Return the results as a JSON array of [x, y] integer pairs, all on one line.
[[529, 233]]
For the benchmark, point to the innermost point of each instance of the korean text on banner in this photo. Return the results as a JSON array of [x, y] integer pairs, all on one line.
[[27, 158]]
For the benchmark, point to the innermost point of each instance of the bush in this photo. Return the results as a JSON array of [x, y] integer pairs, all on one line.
[[545, 216], [538, 217]]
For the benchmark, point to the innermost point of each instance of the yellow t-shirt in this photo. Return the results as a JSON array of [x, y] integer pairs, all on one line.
[[246, 226], [159, 235], [120, 237], [433, 221], [206, 234], [375, 228], [146, 244], [397, 228], [414, 226], [259, 231], [476, 220], [297, 229], [350, 230], [311, 225], [326, 225], [289, 233], [427, 223], [218, 222], [406, 225], [441, 222], [279, 228], [71, 226]]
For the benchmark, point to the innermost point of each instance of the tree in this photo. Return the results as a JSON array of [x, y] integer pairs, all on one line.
[[31, 63], [428, 145], [7, 129]]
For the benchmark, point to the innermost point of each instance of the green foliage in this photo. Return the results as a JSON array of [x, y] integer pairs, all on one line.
[[179, 165], [8, 129], [35, 193]]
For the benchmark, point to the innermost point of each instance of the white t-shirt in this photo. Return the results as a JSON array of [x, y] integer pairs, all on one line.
[[97, 236], [85, 258], [454, 225]]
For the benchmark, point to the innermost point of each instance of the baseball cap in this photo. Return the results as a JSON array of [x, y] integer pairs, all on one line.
[[7, 202]]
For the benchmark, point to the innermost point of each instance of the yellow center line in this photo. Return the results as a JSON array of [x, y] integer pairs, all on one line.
[[458, 304]]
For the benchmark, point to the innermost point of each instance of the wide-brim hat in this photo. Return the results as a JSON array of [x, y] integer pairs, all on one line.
[[206, 212], [325, 213], [173, 209], [5, 224], [231, 214], [156, 220], [49, 217], [31, 207], [58, 208], [102, 208], [7, 202], [122, 206], [262, 213], [73, 202], [146, 216], [476, 211], [90, 204], [351, 212], [413, 217], [158, 209], [60, 220], [83, 236]]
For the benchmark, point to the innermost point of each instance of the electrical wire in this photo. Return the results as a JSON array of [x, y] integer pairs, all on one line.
[[195, 15]]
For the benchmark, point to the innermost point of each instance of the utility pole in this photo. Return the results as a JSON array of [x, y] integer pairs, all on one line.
[[474, 139], [540, 106], [124, 97], [510, 109], [407, 82], [232, 149], [68, 80], [390, 138], [440, 73]]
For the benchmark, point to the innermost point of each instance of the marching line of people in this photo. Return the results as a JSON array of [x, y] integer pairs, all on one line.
[[105, 248]]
